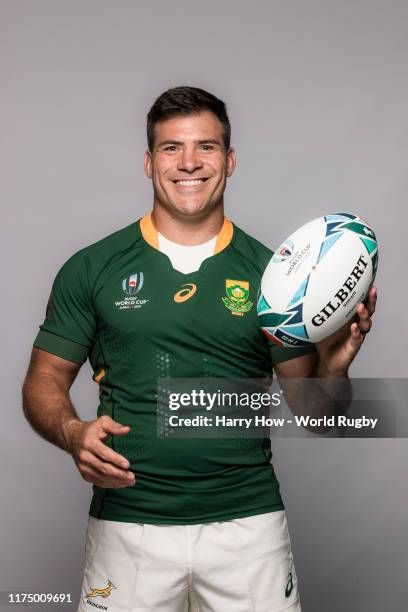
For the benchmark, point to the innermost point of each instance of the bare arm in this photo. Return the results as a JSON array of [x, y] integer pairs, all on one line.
[[324, 396], [46, 401], [48, 408]]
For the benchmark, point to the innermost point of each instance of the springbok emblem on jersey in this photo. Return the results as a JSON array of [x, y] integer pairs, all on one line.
[[237, 296], [101, 592], [133, 283]]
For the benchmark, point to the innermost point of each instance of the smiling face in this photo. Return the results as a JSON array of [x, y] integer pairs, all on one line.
[[189, 165]]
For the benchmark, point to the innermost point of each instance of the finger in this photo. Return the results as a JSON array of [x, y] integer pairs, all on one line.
[[92, 441], [357, 338], [110, 456], [91, 475], [364, 321], [106, 470], [108, 425], [371, 300]]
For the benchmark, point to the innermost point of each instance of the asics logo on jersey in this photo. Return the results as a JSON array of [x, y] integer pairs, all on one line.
[[101, 592], [133, 283], [185, 293]]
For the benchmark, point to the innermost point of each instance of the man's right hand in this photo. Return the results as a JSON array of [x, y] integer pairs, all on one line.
[[96, 462]]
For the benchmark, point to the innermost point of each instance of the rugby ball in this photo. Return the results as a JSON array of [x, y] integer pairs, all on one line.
[[315, 279]]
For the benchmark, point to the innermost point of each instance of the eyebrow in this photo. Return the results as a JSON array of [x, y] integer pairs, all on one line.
[[209, 141], [180, 142]]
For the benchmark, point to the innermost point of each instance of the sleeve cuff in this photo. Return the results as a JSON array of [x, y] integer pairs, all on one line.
[[57, 345]]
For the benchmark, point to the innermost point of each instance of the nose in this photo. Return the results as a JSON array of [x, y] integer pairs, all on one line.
[[190, 160]]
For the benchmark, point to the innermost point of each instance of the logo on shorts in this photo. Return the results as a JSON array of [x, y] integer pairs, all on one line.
[[289, 585], [102, 592], [95, 592], [185, 293], [237, 297]]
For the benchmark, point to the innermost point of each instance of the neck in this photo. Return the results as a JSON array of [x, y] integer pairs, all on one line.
[[188, 230]]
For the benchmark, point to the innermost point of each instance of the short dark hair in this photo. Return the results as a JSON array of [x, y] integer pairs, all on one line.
[[186, 100]]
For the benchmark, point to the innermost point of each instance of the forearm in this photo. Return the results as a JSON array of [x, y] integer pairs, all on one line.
[[336, 387], [48, 408], [332, 393], [318, 397], [317, 394]]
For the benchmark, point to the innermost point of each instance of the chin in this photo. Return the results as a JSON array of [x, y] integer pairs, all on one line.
[[193, 209]]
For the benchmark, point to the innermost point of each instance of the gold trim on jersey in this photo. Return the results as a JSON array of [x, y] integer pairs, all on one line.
[[224, 237], [150, 233]]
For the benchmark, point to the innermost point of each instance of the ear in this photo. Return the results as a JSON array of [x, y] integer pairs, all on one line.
[[148, 164], [231, 161]]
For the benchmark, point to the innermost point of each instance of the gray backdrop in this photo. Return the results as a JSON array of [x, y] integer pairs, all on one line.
[[316, 92]]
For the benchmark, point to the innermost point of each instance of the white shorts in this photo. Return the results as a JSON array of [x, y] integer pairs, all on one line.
[[241, 565]]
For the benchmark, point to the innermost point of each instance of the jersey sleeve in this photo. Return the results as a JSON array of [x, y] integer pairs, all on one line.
[[70, 322], [280, 354]]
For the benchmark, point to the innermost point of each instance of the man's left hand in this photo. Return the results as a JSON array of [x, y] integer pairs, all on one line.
[[338, 350]]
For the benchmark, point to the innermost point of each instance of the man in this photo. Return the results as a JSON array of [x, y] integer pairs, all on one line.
[[173, 520]]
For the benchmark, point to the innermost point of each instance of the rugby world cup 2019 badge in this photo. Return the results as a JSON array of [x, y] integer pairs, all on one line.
[[131, 286], [133, 283], [237, 296]]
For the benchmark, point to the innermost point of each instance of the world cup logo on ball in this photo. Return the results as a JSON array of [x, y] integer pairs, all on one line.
[[284, 251]]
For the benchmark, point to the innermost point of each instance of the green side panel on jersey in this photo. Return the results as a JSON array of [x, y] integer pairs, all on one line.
[[114, 302]]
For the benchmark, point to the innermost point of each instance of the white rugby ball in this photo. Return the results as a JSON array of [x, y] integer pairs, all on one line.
[[315, 279]]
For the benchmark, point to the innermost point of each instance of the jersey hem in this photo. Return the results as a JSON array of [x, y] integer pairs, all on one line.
[[134, 518]]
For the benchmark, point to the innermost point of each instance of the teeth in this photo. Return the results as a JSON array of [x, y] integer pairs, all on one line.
[[191, 182]]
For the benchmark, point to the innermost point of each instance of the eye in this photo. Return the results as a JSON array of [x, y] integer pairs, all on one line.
[[207, 147], [170, 148]]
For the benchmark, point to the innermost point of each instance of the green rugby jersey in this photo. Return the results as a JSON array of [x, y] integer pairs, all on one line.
[[121, 304]]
